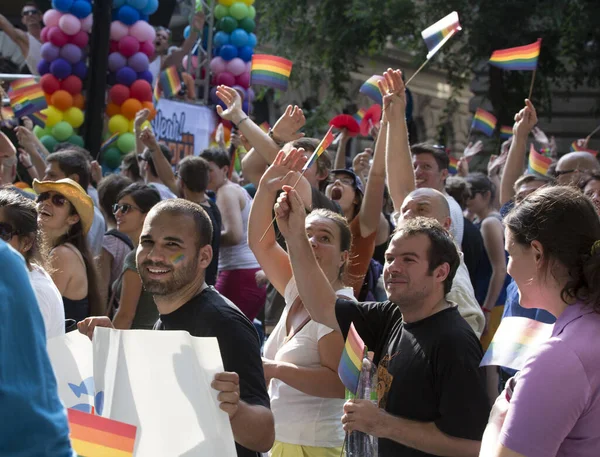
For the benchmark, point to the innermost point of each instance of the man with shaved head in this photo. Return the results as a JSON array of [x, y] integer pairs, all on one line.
[[573, 168], [432, 204]]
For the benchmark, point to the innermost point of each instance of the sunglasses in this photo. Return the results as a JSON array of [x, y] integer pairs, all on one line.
[[124, 208], [348, 180], [29, 13], [56, 199], [7, 231]]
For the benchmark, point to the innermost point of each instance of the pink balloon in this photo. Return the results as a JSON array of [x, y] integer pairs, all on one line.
[[128, 46], [147, 47], [217, 65], [81, 39], [184, 62], [118, 30], [51, 18], [44, 34], [243, 80], [69, 24], [86, 24], [57, 37], [225, 78], [236, 66], [248, 67], [142, 31]]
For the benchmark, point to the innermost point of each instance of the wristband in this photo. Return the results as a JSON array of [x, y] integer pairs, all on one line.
[[241, 122], [486, 310], [279, 143]]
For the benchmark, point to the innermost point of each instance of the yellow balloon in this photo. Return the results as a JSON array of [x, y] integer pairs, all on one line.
[[74, 116], [226, 2], [249, 2], [118, 124], [54, 116], [131, 125]]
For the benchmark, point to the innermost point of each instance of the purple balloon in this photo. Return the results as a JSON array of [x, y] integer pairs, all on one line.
[[145, 75], [71, 53], [213, 96], [80, 69], [126, 76], [116, 61], [138, 62], [43, 67], [50, 52], [60, 68], [250, 94], [245, 106]]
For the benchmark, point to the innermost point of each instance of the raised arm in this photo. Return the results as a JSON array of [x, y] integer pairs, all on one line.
[[525, 120], [34, 147], [313, 286], [398, 161], [162, 165], [176, 56], [18, 36], [8, 160]]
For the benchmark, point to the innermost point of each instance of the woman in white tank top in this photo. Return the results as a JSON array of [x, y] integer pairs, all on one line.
[[237, 264]]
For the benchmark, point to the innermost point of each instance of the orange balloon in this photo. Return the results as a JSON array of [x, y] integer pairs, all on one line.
[[112, 110], [78, 101], [150, 107], [21, 185], [130, 108], [48, 99], [62, 100]]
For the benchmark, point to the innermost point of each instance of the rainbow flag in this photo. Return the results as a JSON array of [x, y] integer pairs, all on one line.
[[265, 127], [359, 115], [39, 119], [484, 122], [27, 100], [270, 71], [20, 83], [352, 360], [579, 146], [170, 82], [453, 165], [109, 141], [371, 89], [436, 35], [97, 436], [7, 113], [323, 145], [516, 339], [519, 58], [506, 132], [538, 163]]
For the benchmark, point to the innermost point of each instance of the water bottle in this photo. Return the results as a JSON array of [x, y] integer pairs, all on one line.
[[360, 444]]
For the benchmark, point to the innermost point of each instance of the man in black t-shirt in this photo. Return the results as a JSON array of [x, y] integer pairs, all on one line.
[[172, 258], [432, 395]]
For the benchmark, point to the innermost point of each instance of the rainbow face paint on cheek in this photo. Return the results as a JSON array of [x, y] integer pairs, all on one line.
[[175, 259]]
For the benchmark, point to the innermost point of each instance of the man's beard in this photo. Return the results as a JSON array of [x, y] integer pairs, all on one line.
[[179, 279]]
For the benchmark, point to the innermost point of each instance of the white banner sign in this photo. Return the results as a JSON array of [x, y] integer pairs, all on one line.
[[184, 127]]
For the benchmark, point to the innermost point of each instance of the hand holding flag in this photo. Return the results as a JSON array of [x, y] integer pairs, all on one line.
[[525, 120]]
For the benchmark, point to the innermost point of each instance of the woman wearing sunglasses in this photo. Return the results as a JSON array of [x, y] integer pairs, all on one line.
[[19, 228], [65, 215], [136, 309]]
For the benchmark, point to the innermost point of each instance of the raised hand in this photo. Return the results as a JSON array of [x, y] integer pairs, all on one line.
[[25, 137], [287, 126], [361, 162], [198, 21], [233, 102], [473, 149], [525, 120], [148, 139], [285, 169], [495, 165], [394, 96], [141, 117], [25, 158], [27, 123], [290, 213], [96, 171]]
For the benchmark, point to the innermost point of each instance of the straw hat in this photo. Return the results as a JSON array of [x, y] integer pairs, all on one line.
[[75, 194]]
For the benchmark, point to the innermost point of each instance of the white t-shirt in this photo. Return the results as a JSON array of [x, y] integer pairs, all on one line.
[[164, 191], [463, 295], [458, 223], [300, 418], [49, 300]]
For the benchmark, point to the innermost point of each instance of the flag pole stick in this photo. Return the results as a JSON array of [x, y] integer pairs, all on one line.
[[416, 73], [532, 81], [430, 55], [587, 138]]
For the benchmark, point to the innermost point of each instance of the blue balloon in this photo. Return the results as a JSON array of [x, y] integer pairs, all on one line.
[[128, 15], [186, 32], [228, 52], [43, 67], [126, 76], [145, 17], [137, 4], [145, 75], [151, 7], [118, 3], [245, 106], [60, 68], [80, 69], [252, 40], [62, 5], [81, 9], [245, 53], [239, 38], [221, 38]]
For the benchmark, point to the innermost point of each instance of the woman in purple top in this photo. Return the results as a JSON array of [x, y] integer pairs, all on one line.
[[552, 407]]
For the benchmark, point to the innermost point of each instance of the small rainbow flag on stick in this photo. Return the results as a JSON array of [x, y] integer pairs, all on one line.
[[519, 58], [453, 165], [516, 339], [170, 82], [436, 35], [97, 436], [538, 163], [359, 115], [323, 145], [7, 113], [20, 83], [484, 122], [506, 132], [39, 119], [270, 71], [581, 146], [109, 141], [27, 100], [352, 360], [371, 89]]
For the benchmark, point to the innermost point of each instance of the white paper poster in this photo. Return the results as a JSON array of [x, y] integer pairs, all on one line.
[[160, 382], [185, 128]]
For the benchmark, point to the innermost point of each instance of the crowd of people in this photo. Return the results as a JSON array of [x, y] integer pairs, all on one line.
[[424, 265]]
